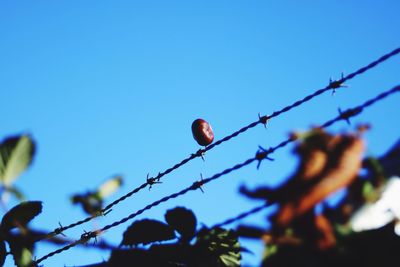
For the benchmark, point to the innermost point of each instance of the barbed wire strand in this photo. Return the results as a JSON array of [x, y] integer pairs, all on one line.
[[333, 85], [344, 115], [261, 155], [242, 215]]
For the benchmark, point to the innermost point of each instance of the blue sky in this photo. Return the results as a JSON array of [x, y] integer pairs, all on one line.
[[112, 88]]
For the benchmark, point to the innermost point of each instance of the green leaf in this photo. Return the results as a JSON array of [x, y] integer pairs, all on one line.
[[22, 255], [109, 187], [25, 258], [183, 221], [16, 193], [223, 244], [21, 215], [147, 231], [16, 154]]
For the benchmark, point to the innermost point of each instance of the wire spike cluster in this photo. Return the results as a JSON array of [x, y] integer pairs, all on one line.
[[263, 155]]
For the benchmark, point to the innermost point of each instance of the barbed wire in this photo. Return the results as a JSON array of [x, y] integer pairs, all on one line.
[[333, 85], [261, 154], [344, 116], [242, 215]]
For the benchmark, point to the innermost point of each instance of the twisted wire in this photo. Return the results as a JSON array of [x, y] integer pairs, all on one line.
[[242, 215], [343, 116], [261, 155], [333, 85]]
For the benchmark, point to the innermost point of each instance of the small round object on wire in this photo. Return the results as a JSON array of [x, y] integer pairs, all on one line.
[[202, 132]]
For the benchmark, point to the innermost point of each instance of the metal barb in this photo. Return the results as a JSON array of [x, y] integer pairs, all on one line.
[[106, 212], [199, 184], [335, 84], [60, 230], [347, 114], [344, 116], [263, 119], [200, 153], [151, 181], [262, 154]]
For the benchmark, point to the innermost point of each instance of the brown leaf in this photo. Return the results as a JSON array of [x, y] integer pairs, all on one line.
[[326, 237], [312, 164], [344, 162]]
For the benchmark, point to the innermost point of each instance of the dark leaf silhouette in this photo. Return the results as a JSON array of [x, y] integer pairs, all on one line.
[[183, 221], [174, 254], [3, 252], [369, 249], [21, 248], [391, 160], [133, 257], [250, 231], [16, 154], [147, 231], [21, 215]]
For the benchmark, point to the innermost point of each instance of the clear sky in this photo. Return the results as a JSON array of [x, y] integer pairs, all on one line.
[[112, 87]]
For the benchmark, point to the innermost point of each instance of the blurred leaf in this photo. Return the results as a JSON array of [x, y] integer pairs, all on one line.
[[173, 254], [183, 221], [16, 154], [109, 187], [147, 231], [21, 215], [138, 257], [90, 202], [391, 160], [222, 244], [16, 193], [250, 231], [376, 171], [3, 252], [22, 256], [344, 165], [371, 248], [383, 211], [21, 248]]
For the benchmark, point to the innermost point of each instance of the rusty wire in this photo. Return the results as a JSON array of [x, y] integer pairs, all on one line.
[[262, 154]]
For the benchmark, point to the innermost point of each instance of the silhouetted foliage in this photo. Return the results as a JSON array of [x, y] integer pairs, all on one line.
[[21, 215], [212, 247], [21, 242], [147, 231], [3, 252], [183, 221]]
